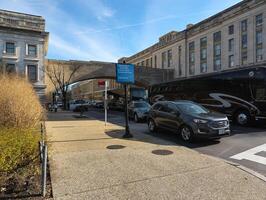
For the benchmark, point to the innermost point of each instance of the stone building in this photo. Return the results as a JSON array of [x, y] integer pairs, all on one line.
[[235, 37], [23, 47]]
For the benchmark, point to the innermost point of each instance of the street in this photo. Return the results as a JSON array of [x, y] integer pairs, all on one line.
[[234, 148]]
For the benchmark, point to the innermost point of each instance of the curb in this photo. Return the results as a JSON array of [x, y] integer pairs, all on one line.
[[243, 168], [246, 169]]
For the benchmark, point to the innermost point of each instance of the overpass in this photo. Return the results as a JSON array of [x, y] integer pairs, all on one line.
[[144, 76]]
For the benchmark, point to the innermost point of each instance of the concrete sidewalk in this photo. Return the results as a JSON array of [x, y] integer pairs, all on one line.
[[84, 166]]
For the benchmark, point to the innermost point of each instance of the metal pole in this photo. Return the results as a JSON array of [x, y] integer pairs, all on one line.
[[44, 170], [127, 132], [105, 103]]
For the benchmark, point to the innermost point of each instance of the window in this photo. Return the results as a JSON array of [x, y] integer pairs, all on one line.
[[179, 60], [10, 68], [142, 63], [244, 57], [191, 58], [151, 62], [231, 61], [170, 60], [217, 36], [32, 73], [259, 20], [157, 106], [259, 45], [155, 61], [217, 51], [217, 64], [258, 37], [244, 42], [259, 56], [244, 25], [203, 67], [231, 30], [164, 61], [203, 42], [10, 47], [147, 62], [32, 50], [203, 48], [260, 94], [231, 45], [172, 108], [203, 55]]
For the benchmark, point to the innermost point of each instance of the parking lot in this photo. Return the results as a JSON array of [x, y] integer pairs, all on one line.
[[246, 145]]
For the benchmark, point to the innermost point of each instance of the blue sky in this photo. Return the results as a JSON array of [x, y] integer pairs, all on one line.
[[106, 30]]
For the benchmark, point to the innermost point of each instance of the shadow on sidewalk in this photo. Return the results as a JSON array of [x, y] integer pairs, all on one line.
[[161, 138]]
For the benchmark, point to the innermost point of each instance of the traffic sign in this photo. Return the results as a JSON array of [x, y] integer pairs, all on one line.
[[101, 83], [125, 73]]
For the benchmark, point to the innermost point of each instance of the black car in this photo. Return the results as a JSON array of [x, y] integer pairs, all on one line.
[[138, 110], [189, 119]]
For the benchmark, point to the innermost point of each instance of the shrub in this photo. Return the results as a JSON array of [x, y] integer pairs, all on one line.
[[18, 147], [19, 104]]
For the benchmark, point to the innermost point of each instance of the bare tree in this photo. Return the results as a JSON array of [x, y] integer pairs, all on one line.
[[60, 75]]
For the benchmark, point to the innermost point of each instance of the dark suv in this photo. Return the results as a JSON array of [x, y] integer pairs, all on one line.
[[189, 119]]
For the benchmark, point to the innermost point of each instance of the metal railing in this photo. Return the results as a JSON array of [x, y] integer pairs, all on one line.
[[43, 158]]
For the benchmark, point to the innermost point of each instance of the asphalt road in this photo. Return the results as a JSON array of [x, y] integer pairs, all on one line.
[[241, 141]]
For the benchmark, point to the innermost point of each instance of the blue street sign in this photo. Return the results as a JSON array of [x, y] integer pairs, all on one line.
[[125, 73]]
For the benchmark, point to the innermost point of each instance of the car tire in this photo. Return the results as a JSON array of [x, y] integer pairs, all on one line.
[[152, 126], [242, 118], [186, 133], [136, 118]]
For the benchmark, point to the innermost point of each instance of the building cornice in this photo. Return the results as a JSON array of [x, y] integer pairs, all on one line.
[[21, 21]]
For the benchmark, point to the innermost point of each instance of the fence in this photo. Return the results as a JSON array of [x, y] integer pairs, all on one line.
[[43, 158]]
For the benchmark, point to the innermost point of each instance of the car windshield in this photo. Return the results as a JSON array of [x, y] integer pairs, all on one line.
[[192, 108], [141, 105]]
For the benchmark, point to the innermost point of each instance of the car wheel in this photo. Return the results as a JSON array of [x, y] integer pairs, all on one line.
[[186, 133], [152, 126], [136, 118], [242, 118]]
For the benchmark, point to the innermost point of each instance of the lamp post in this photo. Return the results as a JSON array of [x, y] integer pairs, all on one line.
[[127, 131]]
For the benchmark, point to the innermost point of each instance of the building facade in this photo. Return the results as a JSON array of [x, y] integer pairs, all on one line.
[[92, 90], [235, 37], [23, 47]]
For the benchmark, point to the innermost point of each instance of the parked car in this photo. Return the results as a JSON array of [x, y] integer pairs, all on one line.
[[99, 104], [138, 110], [116, 104], [189, 119], [78, 105]]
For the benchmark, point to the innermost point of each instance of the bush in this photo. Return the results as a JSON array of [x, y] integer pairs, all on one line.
[[18, 147], [19, 104]]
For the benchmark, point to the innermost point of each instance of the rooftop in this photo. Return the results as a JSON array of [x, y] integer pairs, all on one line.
[[22, 21]]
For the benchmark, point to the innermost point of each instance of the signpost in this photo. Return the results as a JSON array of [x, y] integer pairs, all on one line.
[[125, 74], [104, 83], [105, 102]]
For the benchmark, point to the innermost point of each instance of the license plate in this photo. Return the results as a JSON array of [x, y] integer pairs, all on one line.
[[221, 131]]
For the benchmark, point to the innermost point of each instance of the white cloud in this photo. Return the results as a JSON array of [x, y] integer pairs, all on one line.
[[63, 43], [98, 9], [63, 47]]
